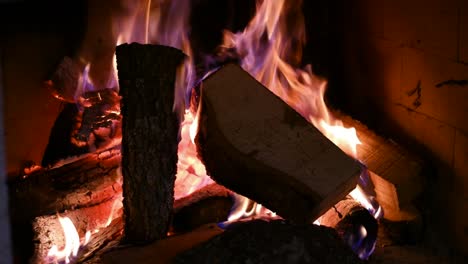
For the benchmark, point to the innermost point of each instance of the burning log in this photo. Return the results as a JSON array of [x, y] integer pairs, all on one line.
[[258, 241], [354, 224], [150, 130], [91, 181], [85, 230], [210, 204], [395, 172], [255, 144], [88, 181]]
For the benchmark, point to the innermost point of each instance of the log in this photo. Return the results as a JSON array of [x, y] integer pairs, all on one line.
[[210, 204], [84, 182], [150, 130], [104, 221], [161, 251], [256, 145], [396, 173], [88, 180], [354, 224], [276, 241]]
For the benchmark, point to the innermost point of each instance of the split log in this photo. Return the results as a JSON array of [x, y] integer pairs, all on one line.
[[65, 79], [354, 224], [210, 204], [150, 130], [256, 145], [395, 172], [272, 242]]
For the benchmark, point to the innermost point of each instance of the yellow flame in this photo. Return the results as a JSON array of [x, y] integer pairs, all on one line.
[[72, 242]]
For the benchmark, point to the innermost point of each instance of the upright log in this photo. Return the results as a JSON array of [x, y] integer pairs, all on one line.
[[150, 136], [256, 145]]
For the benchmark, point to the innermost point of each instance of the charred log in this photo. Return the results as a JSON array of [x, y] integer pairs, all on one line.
[[150, 130], [256, 145], [272, 242]]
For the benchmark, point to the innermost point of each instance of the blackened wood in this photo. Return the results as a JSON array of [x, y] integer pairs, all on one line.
[[256, 145], [210, 204], [60, 145], [272, 242], [150, 130]]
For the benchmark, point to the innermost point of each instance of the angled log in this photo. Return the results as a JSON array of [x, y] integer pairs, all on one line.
[[150, 130], [396, 173], [256, 145]]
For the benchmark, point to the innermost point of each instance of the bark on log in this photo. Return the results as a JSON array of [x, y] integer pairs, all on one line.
[[256, 145], [150, 130], [272, 242]]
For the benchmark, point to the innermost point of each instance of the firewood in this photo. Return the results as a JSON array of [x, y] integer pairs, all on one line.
[[210, 204], [85, 182], [396, 173], [354, 224], [105, 231], [276, 241], [89, 180], [256, 145], [150, 129]]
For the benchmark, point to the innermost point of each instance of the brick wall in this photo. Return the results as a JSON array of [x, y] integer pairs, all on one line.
[[407, 61]]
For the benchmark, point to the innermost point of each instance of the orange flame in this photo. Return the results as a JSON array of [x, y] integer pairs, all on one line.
[[73, 242]]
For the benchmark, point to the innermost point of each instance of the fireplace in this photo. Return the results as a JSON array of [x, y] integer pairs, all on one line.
[[403, 79]]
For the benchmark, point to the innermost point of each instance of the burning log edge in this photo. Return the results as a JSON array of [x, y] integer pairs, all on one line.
[[73, 189], [150, 129]]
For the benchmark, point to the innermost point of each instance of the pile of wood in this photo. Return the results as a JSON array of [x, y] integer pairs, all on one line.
[[250, 141]]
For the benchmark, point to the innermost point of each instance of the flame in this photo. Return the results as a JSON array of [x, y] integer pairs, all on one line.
[[72, 242]]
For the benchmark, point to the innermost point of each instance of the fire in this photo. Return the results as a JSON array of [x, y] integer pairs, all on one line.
[[267, 49], [72, 242]]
